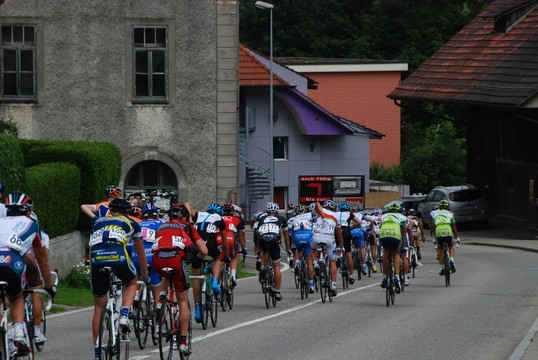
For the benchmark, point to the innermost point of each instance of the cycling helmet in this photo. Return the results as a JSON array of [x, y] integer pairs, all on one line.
[[343, 207], [312, 206], [228, 209], [112, 191], [18, 203], [300, 209], [353, 209], [443, 204], [150, 212], [378, 211], [120, 205], [395, 208], [411, 212], [272, 207], [330, 205], [33, 216], [214, 208], [366, 212], [177, 209], [237, 208]]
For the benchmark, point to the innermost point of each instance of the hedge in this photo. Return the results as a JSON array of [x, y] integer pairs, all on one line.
[[11, 164], [99, 163], [55, 189]]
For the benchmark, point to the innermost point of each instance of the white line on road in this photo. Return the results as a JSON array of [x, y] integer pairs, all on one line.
[[284, 312]]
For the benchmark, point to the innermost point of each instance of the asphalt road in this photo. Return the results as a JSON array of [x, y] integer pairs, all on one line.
[[492, 303]]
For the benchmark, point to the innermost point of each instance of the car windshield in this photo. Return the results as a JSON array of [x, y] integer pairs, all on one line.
[[465, 195]]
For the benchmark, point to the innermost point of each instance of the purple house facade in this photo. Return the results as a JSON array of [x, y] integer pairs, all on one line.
[[329, 154]]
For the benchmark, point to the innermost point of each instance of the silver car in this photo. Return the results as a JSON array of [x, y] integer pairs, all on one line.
[[466, 203]]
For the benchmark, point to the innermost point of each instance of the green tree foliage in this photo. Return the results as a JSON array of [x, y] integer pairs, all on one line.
[[438, 160]]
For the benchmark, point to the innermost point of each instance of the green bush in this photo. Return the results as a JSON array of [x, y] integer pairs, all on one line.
[[55, 189], [99, 163], [11, 164], [79, 276]]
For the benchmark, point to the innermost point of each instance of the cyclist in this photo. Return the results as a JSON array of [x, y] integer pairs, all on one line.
[[327, 230], [108, 241], [302, 235], [175, 239], [235, 236], [345, 218], [444, 227], [393, 230], [368, 224], [18, 233], [416, 227], [148, 228], [208, 224], [271, 228], [95, 211]]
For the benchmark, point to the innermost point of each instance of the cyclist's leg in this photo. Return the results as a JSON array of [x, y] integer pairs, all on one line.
[[405, 259], [184, 315], [35, 281], [347, 250], [274, 253]]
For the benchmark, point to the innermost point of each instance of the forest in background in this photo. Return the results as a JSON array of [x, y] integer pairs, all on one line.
[[405, 30]]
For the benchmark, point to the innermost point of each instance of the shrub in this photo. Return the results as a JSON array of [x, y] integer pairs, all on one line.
[[55, 189], [79, 275], [11, 164]]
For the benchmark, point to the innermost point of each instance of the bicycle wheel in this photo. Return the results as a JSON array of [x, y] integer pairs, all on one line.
[[323, 282], [43, 329], [224, 288], [150, 303], [230, 297], [166, 337], [4, 351], [296, 279], [215, 308], [106, 337], [124, 341], [141, 323], [328, 282], [446, 260], [273, 286]]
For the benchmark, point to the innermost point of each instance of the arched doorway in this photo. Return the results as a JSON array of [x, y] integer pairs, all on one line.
[[152, 181]]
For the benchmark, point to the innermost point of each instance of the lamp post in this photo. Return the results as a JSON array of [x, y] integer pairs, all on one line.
[[266, 6]]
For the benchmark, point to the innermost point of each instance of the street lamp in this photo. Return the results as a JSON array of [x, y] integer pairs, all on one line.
[[266, 6]]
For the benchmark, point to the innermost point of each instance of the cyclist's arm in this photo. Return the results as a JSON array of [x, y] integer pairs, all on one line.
[[202, 248], [319, 210], [191, 212], [339, 237], [286, 238], [138, 245], [241, 236], [454, 230], [41, 254], [89, 210]]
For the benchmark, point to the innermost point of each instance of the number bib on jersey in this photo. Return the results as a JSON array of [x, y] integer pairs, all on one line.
[[269, 228], [113, 234], [15, 243], [148, 234]]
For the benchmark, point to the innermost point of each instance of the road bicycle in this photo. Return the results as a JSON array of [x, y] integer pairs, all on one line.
[[446, 263], [344, 271], [390, 292], [413, 259], [357, 261], [226, 288], [324, 280], [113, 343], [207, 299], [169, 321], [303, 277], [8, 350], [268, 284], [144, 316], [29, 312]]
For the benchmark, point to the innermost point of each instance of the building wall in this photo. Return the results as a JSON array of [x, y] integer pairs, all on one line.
[[84, 62], [362, 97], [308, 155]]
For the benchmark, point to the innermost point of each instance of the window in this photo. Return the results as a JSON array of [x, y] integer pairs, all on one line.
[[150, 63], [280, 148], [18, 62]]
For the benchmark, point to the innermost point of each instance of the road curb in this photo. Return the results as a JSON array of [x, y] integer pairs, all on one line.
[[504, 246]]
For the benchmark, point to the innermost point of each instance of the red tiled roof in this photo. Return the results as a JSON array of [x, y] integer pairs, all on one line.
[[253, 73], [480, 66]]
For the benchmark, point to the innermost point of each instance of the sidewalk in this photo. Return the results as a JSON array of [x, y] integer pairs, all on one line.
[[501, 235]]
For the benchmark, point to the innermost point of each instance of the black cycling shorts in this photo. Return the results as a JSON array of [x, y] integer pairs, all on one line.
[[270, 245]]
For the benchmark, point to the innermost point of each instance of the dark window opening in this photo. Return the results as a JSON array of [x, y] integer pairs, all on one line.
[[18, 65], [150, 67]]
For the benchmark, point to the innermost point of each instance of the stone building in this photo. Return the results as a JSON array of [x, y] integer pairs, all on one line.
[[160, 82]]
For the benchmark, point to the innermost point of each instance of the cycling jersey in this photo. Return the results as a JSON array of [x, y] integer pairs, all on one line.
[[173, 241], [346, 218], [209, 226], [269, 227], [233, 225], [148, 229], [102, 209], [108, 241], [390, 235], [18, 234], [302, 232], [324, 232], [443, 220]]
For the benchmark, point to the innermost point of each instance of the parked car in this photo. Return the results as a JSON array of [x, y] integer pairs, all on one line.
[[406, 203], [467, 203]]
